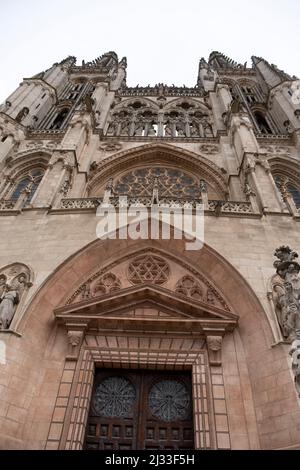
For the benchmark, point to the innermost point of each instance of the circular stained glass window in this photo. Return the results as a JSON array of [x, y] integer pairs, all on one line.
[[169, 400], [114, 396]]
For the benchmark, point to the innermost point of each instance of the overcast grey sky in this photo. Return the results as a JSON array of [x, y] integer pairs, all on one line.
[[163, 40]]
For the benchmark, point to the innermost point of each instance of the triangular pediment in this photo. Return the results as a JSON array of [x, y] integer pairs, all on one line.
[[147, 306]]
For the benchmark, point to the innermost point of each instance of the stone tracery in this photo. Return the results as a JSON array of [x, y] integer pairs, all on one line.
[[148, 268], [171, 183], [180, 118]]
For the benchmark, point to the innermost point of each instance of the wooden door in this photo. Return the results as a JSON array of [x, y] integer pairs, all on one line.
[[140, 410]]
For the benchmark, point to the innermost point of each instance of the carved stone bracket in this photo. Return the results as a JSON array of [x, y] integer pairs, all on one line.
[[75, 334], [214, 347]]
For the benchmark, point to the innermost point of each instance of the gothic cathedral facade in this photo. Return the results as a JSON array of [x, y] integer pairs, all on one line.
[[137, 342]]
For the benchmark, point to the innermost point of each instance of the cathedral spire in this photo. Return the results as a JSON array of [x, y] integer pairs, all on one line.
[[219, 60], [272, 75]]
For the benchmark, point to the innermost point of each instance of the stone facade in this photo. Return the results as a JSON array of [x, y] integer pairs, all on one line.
[[76, 136]]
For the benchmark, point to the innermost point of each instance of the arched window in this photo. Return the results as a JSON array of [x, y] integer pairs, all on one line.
[[291, 187], [262, 123], [250, 94], [29, 182], [58, 121]]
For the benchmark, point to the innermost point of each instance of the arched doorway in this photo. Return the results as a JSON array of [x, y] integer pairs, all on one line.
[[162, 325]]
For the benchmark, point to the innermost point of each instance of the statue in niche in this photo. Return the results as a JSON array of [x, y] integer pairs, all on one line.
[[14, 280], [203, 186], [180, 130], [125, 129], [168, 130], [207, 127], [9, 300], [194, 129], [151, 130], [112, 128], [139, 130]]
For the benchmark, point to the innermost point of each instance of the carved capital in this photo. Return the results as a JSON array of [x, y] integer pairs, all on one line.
[[214, 347]]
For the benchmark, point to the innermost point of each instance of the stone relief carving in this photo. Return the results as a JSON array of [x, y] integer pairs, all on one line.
[[192, 287], [209, 148], [14, 280], [98, 285], [110, 146], [148, 268], [189, 287], [276, 150]]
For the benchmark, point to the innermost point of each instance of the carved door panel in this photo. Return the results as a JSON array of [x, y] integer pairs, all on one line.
[[140, 410]]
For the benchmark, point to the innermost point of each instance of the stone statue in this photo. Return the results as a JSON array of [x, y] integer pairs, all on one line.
[[19, 284], [139, 130], [151, 130], [295, 354], [168, 130], [14, 280], [203, 186], [286, 292], [3, 280], [22, 114], [207, 127], [194, 129], [125, 129], [9, 300]]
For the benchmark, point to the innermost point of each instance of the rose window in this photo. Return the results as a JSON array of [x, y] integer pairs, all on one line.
[[169, 400], [114, 396]]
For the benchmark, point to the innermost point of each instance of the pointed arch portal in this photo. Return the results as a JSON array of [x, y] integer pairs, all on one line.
[[148, 306]]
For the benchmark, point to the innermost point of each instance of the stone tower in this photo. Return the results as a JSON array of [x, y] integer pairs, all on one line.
[[201, 344]]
